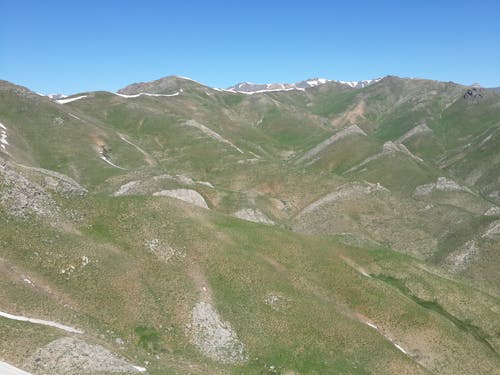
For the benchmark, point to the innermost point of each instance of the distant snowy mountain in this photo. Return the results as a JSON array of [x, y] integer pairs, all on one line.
[[56, 96], [253, 88], [360, 84]]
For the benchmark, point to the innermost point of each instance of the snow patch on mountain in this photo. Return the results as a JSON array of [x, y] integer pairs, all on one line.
[[107, 160], [69, 100], [253, 88], [359, 84], [6, 369], [177, 93], [55, 96], [40, 322]]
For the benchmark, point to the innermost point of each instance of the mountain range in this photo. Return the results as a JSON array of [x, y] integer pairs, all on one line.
[[308, 228]]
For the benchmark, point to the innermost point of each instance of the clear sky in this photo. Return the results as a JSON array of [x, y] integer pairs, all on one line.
[[71, 46]]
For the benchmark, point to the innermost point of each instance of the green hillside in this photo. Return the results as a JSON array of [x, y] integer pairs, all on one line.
[[185, 229]]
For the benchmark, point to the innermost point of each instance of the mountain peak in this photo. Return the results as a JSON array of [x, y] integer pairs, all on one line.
[[253, 88], [165, 85]]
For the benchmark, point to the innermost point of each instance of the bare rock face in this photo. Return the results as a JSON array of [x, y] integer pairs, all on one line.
[[442, 184], [164, 251], [68, 356], [349, 191], [476, 92], [343, 133], [156, 183], [420, 129], [54, 181], [186, 195], [214, 337], [493, 231], [493, 211], [459, 259], [253, 215]]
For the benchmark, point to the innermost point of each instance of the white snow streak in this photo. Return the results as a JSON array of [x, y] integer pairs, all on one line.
[[146, 94], [110, 163], [400, 348], [40, 321], [264, 90], [69, 100], [359, 84], [6, 369]]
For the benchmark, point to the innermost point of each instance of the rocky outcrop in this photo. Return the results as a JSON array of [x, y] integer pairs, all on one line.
[[214, 337], [351, 130], [475, 92], [253, 215], [493, 231], [420, 129], [460, 258], [442, 184], [155, 183], [163, 251], [186, 195], [389, 148], [345, 192], [23, 198], [68, 356], [492, 211], [54, 181]]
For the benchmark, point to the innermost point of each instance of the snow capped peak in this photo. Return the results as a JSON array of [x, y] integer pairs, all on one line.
[[359, 84], [253, 88], [56, 96], [317, 81]]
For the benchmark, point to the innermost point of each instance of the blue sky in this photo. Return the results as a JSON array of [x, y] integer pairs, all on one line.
[[73, 46]]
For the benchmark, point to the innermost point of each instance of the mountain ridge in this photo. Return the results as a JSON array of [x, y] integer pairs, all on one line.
[[172, 82]]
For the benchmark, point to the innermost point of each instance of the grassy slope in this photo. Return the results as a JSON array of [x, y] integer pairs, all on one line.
[[446, 325], [315, 329]]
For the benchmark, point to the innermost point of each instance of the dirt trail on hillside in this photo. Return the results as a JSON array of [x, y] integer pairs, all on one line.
[[148, 158]]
